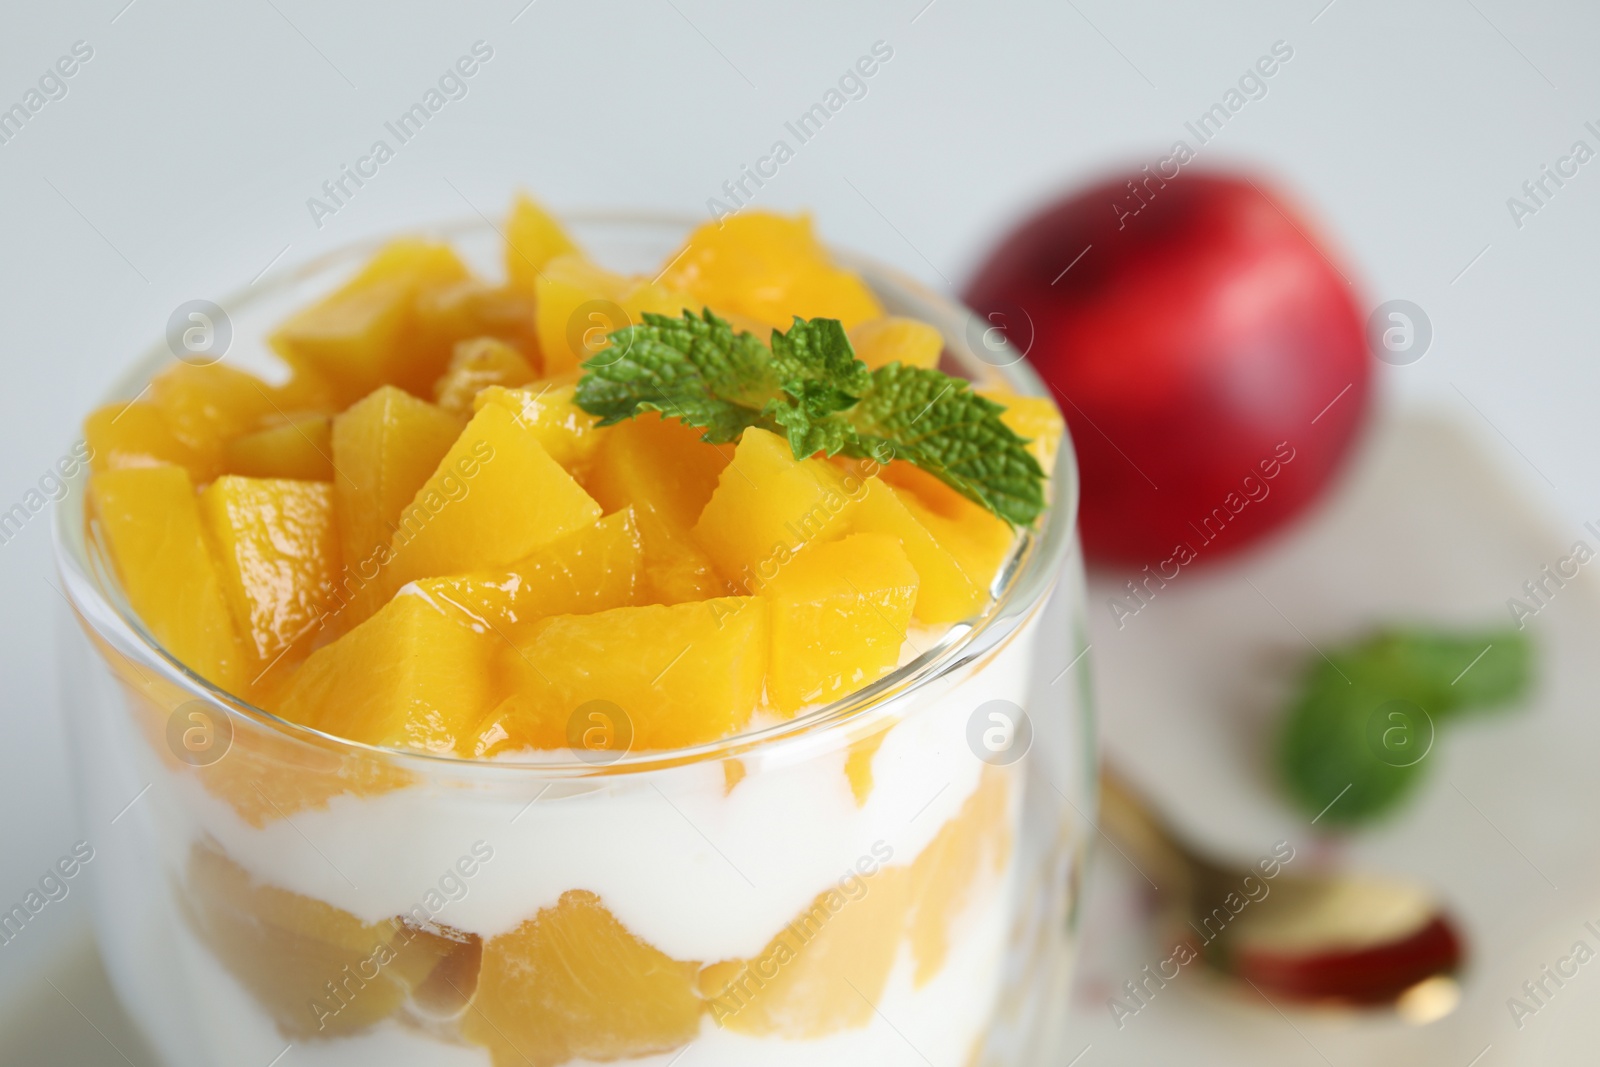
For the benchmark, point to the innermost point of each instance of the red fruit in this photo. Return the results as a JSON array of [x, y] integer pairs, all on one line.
[[1210, 359]]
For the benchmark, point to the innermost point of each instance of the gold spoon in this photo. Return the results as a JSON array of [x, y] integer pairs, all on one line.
[[1319, 939]]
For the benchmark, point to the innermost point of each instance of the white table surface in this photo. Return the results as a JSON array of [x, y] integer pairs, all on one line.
[[179, 163]]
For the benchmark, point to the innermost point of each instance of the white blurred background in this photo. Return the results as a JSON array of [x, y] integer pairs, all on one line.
[[180, 160]]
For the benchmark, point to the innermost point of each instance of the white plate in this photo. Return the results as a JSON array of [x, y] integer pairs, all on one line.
[[1428, 528]]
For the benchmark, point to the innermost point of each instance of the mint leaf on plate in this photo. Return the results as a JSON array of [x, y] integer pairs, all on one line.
[[1366, 720]]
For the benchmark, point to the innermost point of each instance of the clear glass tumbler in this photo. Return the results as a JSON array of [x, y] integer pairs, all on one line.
[[891, 879]]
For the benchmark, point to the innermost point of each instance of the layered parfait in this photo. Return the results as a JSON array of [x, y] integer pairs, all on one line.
[[474, 629]]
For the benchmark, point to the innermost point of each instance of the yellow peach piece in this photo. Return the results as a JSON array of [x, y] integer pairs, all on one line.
[[513, 725], [945, 592], [769, 268], [278, 556], [824, 971], [354, 337], [679, 675], [893, 339], [411, 676], [300, 447], [677, 570], [383, 448], [657, 463], [547, 410], [134, 434], [150, 521], [769, 505], [858, 764], [839, 613], [593, 569], [979, 540], [207, 406], [947, 873], [319, 971], [533, 239], [572, 983], [446, 315], [579, 305], [477, 364], [495, 497]]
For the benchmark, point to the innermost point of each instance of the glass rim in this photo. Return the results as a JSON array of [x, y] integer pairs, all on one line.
[[1030, 574]]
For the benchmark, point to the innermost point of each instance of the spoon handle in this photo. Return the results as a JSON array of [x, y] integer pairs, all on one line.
[[1132, 824]]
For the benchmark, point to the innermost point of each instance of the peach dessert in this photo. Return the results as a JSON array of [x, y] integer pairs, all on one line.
[[605, 666]]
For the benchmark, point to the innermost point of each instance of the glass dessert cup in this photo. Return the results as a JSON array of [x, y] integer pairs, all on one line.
[[890, 878]]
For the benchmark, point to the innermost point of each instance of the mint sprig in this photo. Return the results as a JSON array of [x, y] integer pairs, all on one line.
[[1362, 726], [808, 386]]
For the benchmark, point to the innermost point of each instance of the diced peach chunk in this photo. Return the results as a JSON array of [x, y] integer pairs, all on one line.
[[572, 983], [770, 268], [581, 304], [412, 676], [677, 570], [300, 447], [533, 238], [546, 409], [383, 448], [658, 464], [767, 506], [206, 407], [578, 306], [477, 364], [355, 337], [150, 520], [947, 873], [839, 614], [495, 497], [134, 434], [825, 970], [593, 569], [979, 540], [278, 556], [289, 949], [680, 675], [446, 315], [511, 726], [894, 339], [667, 473], [945, 591]]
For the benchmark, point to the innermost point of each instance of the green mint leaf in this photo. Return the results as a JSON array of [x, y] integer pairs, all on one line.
[[1365, 723], [809, 386], [694, 368], [817, 367], [938, 423]]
